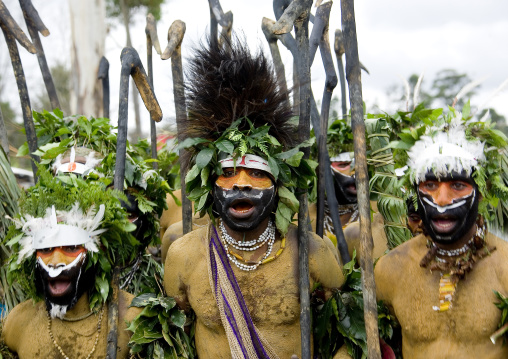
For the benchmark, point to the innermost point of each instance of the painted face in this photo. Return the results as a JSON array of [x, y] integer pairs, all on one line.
[[60, 271], [414, 220], [244, 198], [448, 206], [345, 184]]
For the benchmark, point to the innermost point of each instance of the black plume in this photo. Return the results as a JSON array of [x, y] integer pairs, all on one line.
[[225, 83]]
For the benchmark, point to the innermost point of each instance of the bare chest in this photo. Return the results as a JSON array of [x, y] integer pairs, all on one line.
[[270, 293], [472, 318]]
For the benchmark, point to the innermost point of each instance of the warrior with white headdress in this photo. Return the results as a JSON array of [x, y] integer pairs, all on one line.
[[240, 274], [442, 284], [65, 241]]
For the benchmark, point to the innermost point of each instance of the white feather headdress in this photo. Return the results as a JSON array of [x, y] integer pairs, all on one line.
[[443, 151], [60, 228]]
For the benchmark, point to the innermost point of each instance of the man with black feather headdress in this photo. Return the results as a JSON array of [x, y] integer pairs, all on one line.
[[240, 274]]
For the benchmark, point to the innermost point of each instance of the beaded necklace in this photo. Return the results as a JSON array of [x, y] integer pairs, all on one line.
[[96, 337], [453, 269], [268, 237]]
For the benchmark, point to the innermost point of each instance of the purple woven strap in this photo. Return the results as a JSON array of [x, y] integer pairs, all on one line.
[[258, 345]]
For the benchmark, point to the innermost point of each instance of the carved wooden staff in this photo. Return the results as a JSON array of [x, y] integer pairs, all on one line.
[[13, 32], [353, 75], [35, 25], [152, 40], [103, 74], [297, 15], [289, 42], [4, 142], [217, 16], [176, 33], [339, 51], [131, 66]]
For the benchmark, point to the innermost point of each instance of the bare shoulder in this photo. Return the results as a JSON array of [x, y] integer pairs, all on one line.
[[126, 312], [190, 245], [19, 321], [389, 266]]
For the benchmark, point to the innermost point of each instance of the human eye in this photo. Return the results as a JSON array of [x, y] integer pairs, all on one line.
[[458, 186], [429, 185], [257, 174], [228, 172], [72, 249], [45, 250]]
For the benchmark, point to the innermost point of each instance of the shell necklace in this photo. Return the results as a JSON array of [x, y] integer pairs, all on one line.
[[268, 237]]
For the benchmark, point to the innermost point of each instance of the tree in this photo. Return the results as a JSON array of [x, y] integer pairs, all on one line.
[[445, 86], [62, 79]]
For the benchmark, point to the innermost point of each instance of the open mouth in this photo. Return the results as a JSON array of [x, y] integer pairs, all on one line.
[[444, 225], [59, 287], [351, 189], [241, 208]]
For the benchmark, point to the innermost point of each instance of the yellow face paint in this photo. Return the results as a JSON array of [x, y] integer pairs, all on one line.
[[244, 177], [60, 255], [444, 193]]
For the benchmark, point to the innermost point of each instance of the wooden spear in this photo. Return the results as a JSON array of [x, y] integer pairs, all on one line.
[[103, 74], [289, 42], [35, 25], [339, 51], [131, 66], [152, 40], [353, 75], [13, 32], [297, 15], [176, 33]]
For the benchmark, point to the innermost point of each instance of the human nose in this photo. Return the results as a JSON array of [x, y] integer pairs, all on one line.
[[441, 196], [56, 259], [243, 182]]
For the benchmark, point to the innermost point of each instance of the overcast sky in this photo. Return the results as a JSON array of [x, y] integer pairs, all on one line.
[[396, 38]]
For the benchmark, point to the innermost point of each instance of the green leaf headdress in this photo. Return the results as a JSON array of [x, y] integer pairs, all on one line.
[[86, 207], [235, 107], [456, 141], [95, 139]]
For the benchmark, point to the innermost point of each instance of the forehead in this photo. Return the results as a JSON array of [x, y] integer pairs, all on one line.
[[450, 176]]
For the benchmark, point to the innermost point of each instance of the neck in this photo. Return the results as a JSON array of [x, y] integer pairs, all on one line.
[[81, 308], [459, 243], [248, 235]]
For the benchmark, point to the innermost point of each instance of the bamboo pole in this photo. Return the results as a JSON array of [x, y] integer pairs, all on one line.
[[353, 75], [173, 50]]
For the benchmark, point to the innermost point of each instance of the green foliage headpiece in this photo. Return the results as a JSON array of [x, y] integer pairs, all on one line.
[[235, 108], [58, 134], [455, 141]]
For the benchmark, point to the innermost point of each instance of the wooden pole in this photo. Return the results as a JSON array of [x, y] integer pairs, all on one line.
[[35, 25], [10, 39], [353, 75], [339, 51], [176, 33], [297, 15], [131, 66], [152, 40], [103, 75]]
